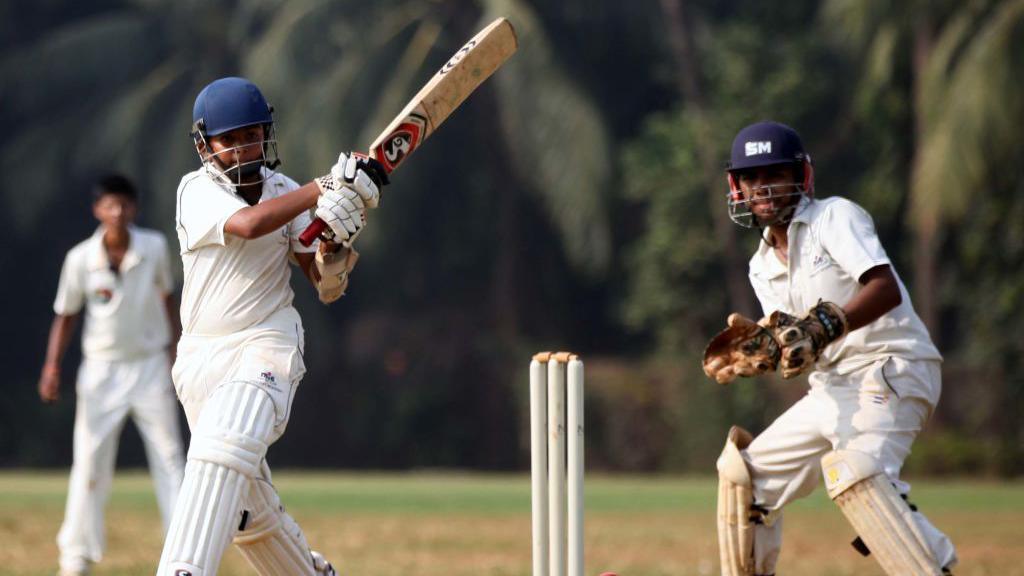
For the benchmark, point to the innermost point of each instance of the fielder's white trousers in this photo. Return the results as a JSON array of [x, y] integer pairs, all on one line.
[[108, 393], [878, 410]]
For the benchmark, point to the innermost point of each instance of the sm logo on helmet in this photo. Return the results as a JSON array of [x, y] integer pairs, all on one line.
[[755, 148]]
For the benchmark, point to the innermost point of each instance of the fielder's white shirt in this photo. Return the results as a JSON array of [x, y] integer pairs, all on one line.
[[832, 242], [125, 316], [231, 283]]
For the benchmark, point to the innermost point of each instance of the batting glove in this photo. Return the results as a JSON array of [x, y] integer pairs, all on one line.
[[364, 175], [343, 212]]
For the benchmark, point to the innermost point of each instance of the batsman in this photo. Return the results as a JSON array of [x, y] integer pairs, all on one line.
[[240, 355], [836, 310]]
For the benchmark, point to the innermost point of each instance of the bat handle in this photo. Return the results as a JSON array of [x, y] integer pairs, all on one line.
[[312, 232], [377, 172], [318, 226]]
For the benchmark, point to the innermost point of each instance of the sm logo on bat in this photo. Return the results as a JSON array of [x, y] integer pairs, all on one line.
[[400, 143]]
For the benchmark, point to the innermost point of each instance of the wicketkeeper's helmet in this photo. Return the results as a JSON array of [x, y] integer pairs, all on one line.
[[767, 144]]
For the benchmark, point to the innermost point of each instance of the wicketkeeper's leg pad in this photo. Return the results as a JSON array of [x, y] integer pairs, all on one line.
[[270, 539], [228, 445], [874, 508], [735, 498]]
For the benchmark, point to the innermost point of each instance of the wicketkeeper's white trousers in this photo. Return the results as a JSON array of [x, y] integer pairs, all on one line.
[[107, 394], [878, 410]]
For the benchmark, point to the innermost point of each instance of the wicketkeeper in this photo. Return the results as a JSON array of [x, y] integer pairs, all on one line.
[[834, 309], [240, 356]]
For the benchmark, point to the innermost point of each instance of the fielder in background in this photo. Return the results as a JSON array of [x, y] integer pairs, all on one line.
[[121, 276], [240, 355], [835, 309]]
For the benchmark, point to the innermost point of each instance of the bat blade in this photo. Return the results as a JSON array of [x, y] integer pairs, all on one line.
[[464, 72]]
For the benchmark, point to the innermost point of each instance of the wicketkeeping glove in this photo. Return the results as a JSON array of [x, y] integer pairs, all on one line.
[[802, 341], [745, 348]]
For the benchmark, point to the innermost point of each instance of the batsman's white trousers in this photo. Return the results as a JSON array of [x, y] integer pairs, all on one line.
[[262, 362], [877, 410], [108, 393]]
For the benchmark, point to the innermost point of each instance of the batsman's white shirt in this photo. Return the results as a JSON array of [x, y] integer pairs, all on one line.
[[832, 243], [231, 283], [237, 314], [124, 318]]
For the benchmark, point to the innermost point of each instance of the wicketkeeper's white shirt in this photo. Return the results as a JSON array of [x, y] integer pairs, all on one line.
[[231, 283], [125, 317], [832, 242]]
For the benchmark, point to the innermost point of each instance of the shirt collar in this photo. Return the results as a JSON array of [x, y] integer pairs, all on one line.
[[806, 209], [764, 263], [98, 259]]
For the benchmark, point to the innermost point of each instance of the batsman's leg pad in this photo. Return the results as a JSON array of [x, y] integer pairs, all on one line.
[[882, 519], [735, 498], [228, 444], [270, 539]]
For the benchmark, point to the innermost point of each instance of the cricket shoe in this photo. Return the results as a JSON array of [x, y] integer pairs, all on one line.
[[321, 565]]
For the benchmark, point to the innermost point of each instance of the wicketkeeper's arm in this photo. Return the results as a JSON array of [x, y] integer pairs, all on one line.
[[879, 294]]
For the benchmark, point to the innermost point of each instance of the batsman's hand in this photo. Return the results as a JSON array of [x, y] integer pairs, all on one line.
[[745, 348], [362, 174], [343, 211], [804, 339]]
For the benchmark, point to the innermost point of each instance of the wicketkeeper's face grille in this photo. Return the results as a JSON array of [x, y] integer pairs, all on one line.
[[764, 205]]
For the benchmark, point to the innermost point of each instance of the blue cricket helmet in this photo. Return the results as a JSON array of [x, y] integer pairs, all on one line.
[[229, 103], [765, 144]]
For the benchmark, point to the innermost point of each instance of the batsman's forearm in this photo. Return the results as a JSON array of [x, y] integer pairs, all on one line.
[[266, 217], [60, 335]]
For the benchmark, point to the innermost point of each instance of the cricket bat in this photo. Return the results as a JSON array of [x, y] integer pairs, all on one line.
[[448, 89]]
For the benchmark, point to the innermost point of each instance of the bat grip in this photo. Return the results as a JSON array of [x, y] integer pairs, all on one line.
[[312, 232]]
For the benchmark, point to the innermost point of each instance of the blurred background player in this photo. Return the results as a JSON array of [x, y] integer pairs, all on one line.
[[121, 276], [240, 356], [838, 310]]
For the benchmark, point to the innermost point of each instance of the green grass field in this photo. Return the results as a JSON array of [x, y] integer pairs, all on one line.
[[471, 524]]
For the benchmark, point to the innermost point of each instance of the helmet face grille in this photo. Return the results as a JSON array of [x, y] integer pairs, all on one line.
[[740, 210]]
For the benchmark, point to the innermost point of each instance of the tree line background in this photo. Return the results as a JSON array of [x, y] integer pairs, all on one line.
[[577, 202]]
